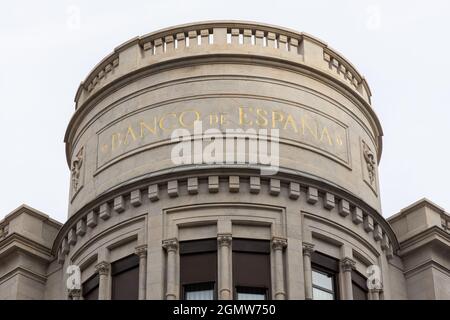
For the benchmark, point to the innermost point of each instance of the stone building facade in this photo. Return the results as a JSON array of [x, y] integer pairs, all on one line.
[[141, 227]]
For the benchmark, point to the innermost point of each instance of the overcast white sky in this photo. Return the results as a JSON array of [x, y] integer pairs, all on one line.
[[48, 47]]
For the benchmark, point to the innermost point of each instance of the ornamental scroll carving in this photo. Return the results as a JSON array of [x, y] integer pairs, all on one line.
[[369, 166], [76, 168]]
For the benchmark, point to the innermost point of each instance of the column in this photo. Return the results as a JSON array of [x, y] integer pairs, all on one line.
[[171, 246], [347, 265], [224, 241], [278, 244], [308, 249], [141, 252], [103, 272]]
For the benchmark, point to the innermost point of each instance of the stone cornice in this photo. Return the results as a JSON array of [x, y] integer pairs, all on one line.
[[149, 189], [15, 241], [433, 234], [32, 212]]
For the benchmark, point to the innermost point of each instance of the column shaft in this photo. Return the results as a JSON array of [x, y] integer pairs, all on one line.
[[171, 247], [224, 241], [278, 245], [141, 251], [308, 249]]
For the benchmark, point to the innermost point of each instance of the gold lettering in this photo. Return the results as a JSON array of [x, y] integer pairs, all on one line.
[[163, 118], [276, 118], [115, 141], [261, 114], [213, 119], [339, 140], [291, 121], [183, 123], [325, 132], [223, 118], [243, 117], [130, 132], [145, 126], [306, 125]]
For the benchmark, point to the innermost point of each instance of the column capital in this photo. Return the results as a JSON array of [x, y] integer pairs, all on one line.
[[224, 239], [102, 268], [347, 264], [279, 243], [141, 251], [170, 244], [308, 248], [75, 294]]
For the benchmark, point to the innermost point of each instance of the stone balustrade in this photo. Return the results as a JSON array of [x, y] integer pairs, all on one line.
[[222, 38]]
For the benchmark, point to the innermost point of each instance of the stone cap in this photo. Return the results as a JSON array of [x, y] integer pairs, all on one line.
[[31, 224], [221, 37], [418, 217]]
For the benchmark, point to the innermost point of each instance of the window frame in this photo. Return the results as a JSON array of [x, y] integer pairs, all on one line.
[[327, 265]]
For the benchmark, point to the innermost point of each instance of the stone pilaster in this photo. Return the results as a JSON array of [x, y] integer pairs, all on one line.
[[347, 265], [141, 252], [224, 241], [103, 269], [171, 246], [308, 249], [278, 245]]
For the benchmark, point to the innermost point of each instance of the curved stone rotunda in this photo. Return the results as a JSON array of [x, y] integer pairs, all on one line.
[[144, 226]]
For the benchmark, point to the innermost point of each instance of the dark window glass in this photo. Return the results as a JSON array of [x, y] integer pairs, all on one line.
[[90, 288], [251, 269], [359, 286], [199, 291], [248, 293], [125, 279], [198, 269], [324, 277]]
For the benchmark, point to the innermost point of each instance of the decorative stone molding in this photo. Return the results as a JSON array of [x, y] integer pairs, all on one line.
[[233, 183], [308, 248], [91, 219], [344, 208], [255, 185], [81, 227], [153, 192], [213, 184], [119, 204], [105, 211], [357, 215], [293, 190], [368, 223], [279, 243], [347, 264], [103, 268], [224, 239], [312, 195], [275, 187], [141, 251], [76, 171], [192, 185], [172, 188], [170, 244], [136, 198], [328, 201]]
